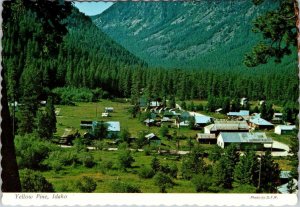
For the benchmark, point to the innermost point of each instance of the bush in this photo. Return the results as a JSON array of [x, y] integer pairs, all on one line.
[[122, 187], [87, 160], [146, 172], [32, 151], [71, 94], [125, 159], [86, 185], [163, 181], [99, 145], [60, 158], [147, 150], [202, 183], [32, 181], [107, 165]]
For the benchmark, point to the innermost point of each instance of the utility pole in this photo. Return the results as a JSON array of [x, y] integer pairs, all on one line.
[[259, 173]]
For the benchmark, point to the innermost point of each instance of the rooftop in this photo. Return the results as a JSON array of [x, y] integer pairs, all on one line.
[[286, 127], [228, 125], [113, 126], [260, 121], [240, 113], [245, 137], [202, 119], [206, 136]]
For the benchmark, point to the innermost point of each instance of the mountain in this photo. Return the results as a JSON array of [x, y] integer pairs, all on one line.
[[203, 34]]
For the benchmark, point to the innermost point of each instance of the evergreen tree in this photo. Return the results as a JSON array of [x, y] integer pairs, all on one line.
[[50, 114]]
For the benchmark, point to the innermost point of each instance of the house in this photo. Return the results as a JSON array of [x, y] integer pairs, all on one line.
[[201, 121], [86, 124], [226, 126], [277, 118], [206, 138], [243, 140], [109, 109], [149, 122], [284, 129], [153, 139], [260, 123], [243, 101]]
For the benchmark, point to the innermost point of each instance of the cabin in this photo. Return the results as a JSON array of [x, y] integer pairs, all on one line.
[[284, 129], [226, 126], [201, 121], [153, 139], [260, 123], [109, 109], [105, 114], [277, 118], [243, 140], [206, 138], [68, 136]]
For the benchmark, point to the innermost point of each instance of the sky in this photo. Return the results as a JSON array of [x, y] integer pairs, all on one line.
[[92, 8]]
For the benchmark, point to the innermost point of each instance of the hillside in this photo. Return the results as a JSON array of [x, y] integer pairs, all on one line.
[[205, 34]]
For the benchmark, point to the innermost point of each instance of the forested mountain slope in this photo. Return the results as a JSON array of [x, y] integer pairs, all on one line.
[[85, 58], [204, 34]]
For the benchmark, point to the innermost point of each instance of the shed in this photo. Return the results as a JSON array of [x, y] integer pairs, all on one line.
[[244, 139], [149, 122], [105, 114], [284, 129], [206, 138], [277, 118], [109, 109], [154, 104], [153, 139]]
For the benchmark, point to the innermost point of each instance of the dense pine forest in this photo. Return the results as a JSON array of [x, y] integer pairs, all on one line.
[[59, 54]]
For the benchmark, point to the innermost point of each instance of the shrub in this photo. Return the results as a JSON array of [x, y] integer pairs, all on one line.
[[86, 184], [122, 187], [163, 182], [87, 160], [32, 151], [32, 181], [60, 158], [146, 172], [202, 183], [147, 150], [107, 165], [79, 144], [125, 159], [99, 145]]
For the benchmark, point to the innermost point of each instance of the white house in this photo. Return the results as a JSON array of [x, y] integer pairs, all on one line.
[[284, 129]]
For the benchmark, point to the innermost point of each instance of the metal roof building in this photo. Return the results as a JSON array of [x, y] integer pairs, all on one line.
[[283, 129], [226, 126], [246, 139], [240, 113]]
